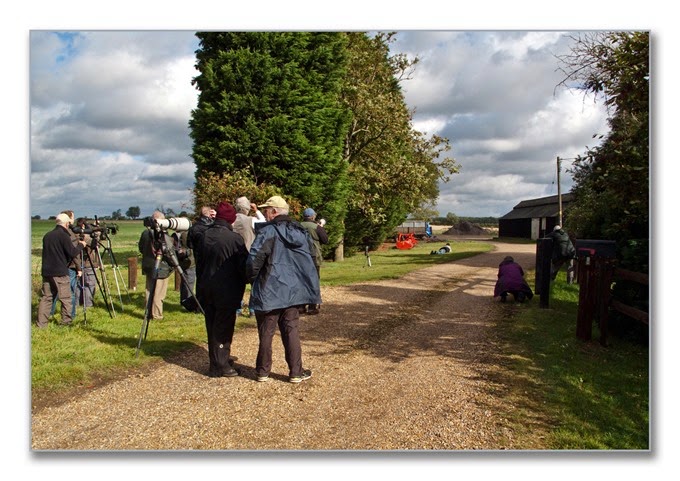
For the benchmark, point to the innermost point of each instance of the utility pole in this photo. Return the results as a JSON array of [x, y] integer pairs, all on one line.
[[559, 192]]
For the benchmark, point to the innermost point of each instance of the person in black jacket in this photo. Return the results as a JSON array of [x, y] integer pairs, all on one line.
[[222, 267], [195, 240], [57, 253]]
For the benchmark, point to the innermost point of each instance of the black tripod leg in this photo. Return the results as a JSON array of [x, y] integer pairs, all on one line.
[[105, 283], [82, 285], [147, 312], [103, 291]]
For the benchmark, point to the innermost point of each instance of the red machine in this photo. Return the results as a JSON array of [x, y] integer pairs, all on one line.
[[406, 241]]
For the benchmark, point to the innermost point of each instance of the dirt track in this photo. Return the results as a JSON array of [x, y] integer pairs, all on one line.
[[407, 364]]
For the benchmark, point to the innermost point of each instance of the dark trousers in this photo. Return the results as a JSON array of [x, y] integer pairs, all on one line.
[[287, 321], [220, 320], [185, 291]]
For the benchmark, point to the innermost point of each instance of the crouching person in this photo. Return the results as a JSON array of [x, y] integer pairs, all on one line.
[[511, 281]]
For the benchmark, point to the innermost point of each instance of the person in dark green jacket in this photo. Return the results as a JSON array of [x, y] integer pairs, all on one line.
[[563, 251], [319, 236]]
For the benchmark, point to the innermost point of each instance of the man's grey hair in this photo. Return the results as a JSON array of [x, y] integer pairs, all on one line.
[[280, 210]]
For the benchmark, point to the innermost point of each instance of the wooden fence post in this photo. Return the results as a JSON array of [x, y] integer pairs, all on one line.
[[132, 273], [606, 270], [543, 267], [585, 316]]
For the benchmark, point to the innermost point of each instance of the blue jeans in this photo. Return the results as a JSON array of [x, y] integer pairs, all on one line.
[[73, 278]]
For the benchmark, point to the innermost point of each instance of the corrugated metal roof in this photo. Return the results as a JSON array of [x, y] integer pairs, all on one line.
[[541, 207]]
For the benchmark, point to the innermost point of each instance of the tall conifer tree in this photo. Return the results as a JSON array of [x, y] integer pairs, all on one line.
[[270, 102]]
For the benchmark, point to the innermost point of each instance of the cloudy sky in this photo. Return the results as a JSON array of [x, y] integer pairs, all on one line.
[[109, 113]]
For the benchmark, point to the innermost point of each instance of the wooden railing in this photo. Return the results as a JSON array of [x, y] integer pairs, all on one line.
[[595, 278]]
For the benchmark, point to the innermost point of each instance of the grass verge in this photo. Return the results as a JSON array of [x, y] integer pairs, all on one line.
[[579, 394]]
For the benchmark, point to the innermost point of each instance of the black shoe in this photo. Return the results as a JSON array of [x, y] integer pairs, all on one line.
[[504, 298], [306, 374], [313, 309], [226, 373]]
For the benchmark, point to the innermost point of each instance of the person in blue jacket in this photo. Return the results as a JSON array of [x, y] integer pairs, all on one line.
[[281, 269]]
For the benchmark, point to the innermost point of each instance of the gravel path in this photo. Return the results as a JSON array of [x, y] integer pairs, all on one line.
[[406, 364]]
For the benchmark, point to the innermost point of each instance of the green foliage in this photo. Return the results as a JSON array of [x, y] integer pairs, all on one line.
[[133, 212], [321, 118], [611, 182], [212, 188], [269, 104], [394, 169]]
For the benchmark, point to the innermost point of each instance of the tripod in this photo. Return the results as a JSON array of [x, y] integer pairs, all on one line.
[[86, 254], [163, 246], [368, 257], [116, 269]]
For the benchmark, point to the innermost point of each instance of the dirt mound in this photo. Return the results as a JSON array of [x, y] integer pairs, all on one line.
[[466, 228]]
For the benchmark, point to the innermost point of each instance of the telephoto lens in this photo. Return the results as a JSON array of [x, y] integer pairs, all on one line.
[[179, 224]]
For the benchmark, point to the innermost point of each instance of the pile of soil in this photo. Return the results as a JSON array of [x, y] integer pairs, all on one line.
[[466, 228]]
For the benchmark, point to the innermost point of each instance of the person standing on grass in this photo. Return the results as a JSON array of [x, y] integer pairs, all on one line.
[[319, 236], [75, 270], [57, 252], [281, 269], [160, 276], [222, 264], [563, 251]]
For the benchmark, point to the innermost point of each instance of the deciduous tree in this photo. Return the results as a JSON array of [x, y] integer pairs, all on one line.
[[612, 180]]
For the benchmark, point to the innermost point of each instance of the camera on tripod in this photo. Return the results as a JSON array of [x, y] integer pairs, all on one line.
[[178, 224], [90, 229]]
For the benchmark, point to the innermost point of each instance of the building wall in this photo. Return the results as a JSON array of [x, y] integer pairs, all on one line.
[[514, 228]]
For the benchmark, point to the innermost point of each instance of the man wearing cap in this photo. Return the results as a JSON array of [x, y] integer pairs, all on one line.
[[281, 269], [222, 284], [57, 252], [319, 236]]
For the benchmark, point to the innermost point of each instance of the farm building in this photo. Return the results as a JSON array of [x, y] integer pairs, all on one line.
[[534, 218]]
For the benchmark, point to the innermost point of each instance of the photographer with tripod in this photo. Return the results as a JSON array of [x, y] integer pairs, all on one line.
[[158, 284], [57, 251]]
